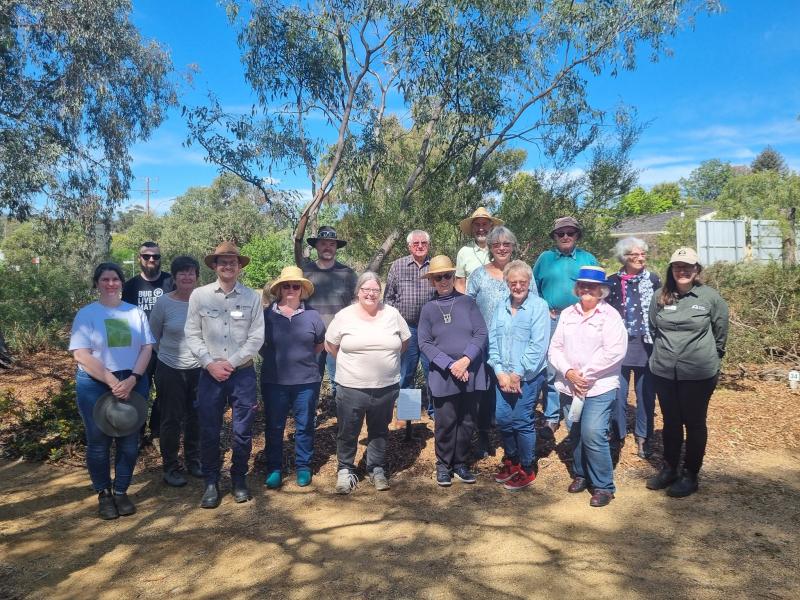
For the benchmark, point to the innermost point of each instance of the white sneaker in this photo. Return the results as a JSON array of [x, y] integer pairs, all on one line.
[[346, 481], [378, 479]]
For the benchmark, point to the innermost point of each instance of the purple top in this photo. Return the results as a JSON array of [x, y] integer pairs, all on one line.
[[288, 349], [443, 343]]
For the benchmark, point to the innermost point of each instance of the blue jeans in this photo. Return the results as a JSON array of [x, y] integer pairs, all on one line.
[[551, 401], [408, 365], [514, 415], [98, 444], [326, 361], [645, 401], [213, 397], [278, 400], [592, 455]]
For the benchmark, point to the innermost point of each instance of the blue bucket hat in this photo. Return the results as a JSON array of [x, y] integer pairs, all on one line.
[[593, 275]]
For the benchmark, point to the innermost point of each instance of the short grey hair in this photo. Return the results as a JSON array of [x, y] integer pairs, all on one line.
[[418, 233], [364, 278], [501, 234], [625, 245], [518, 266]]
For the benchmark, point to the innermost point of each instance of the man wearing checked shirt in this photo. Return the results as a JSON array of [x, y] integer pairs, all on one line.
[[224, 330], [555, 272]]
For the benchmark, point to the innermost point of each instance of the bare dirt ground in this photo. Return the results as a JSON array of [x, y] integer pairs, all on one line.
[[736, 538]]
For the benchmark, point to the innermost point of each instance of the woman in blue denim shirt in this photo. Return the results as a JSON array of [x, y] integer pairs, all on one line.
[[518, 339], [112, 343]]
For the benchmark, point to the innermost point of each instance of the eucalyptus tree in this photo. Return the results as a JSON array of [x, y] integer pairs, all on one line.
[[467, 77], [78, 86]]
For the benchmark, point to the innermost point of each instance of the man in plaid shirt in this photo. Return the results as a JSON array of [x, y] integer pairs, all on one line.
[[408, 292]]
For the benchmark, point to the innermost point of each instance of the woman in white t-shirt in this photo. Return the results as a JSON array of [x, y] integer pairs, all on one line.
[[366, 339], [112, 343]]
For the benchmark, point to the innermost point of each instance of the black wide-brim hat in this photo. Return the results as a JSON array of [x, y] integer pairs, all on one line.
[[326, 233], [119, 418]]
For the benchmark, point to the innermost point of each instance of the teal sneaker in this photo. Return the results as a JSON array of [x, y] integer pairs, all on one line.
[[274, 480], [303, 477]]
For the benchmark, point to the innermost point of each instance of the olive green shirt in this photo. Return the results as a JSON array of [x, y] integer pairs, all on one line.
[[689, 336]]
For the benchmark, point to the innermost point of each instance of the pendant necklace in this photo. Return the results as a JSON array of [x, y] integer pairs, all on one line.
[[447, 316]]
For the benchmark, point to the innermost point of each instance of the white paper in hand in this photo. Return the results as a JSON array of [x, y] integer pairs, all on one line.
[[409, 405]]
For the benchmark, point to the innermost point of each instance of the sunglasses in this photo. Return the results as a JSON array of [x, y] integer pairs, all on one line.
[[568, 233], [150, 256], [291, 286], [444, 276]]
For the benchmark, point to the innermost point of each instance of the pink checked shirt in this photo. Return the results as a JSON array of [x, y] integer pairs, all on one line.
[[594, 345]]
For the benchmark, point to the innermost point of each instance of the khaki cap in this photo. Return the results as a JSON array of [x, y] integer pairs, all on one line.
[[685, 255]]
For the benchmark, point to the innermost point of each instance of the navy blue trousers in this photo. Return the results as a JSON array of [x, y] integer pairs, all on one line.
[[213, 397]]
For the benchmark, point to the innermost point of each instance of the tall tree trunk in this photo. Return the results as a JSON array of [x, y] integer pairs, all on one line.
[[386, 247], [790, 240]]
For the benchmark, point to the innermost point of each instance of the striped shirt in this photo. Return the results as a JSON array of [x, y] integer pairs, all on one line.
[[405, 290]]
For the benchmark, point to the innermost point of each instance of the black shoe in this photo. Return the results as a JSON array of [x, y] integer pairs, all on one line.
[[195, 470], [443, 478], [211, 497], [241, 493], [685, 486], [174, 478], [124, 505], [464, 475], [643, 448], [600, 498], [578, 485], [664, 478], [108, 509], [482, 450]]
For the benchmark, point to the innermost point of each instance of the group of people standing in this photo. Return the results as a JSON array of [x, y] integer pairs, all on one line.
[[495, 337]]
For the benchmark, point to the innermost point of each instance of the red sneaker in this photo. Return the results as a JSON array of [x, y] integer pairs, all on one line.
[[521, 479], [507, 471]]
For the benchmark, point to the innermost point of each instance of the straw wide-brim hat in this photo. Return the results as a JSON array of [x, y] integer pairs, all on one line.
[[480, 213], [592, 274], [685, 255], [439, 264], [119, 418], [289, 275], [226, 249]]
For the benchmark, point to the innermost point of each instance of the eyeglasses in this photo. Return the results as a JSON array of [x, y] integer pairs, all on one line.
[[636, 255], [502, 245], [443, 276], [147, 257], [370, 291], [418, 244], [566, 233], [291, 286]]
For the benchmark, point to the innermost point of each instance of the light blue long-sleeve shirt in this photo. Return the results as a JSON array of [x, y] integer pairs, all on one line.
[[518, 343]]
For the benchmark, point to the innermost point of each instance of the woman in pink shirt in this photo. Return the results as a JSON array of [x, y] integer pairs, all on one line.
[[586, 352]]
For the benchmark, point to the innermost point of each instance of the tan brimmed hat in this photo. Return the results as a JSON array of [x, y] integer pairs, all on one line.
[[685, 255], [439, 264], [480, 213], [565, 222], [226, 249], [292, 274]]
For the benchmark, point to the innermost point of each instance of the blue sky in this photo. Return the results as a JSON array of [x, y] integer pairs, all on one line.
[[731, 87]]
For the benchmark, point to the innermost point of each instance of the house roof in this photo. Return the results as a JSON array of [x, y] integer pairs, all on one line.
[[652, 224]]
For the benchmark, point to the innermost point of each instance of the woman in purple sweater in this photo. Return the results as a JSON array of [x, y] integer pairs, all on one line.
[[452, 334], [290, 377]]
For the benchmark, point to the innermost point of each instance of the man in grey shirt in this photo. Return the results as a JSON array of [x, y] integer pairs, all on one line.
[[224, 330]]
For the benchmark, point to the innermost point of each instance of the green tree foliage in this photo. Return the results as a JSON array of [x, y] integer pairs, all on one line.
[[268, 255], [472, 77], [662, 198], [680, 231], [78, 86], [707, 181], [769, 160]]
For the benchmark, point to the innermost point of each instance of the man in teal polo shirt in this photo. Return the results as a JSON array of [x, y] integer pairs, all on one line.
[[555, 272]]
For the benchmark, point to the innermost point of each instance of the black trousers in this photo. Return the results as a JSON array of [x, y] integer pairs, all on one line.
[[684, 406], [352, 406], [453, 428], [486, 403], [177, 393]]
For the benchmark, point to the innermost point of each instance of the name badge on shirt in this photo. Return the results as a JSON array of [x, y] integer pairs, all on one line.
[[236, 314], [670, 307]]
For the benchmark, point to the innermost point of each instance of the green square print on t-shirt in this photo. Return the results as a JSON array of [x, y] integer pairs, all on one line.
[[118, 333]]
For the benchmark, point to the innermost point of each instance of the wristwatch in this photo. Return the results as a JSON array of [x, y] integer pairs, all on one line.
[[137, 376]]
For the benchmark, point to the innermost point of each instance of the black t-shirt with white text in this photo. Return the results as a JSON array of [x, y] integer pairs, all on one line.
[[142, 293]]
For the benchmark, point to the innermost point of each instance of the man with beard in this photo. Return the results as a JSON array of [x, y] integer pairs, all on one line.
[[334, 287], [143, 290], [475, 254]]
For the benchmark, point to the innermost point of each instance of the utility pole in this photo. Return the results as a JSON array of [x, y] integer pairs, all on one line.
[[147, 191]]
